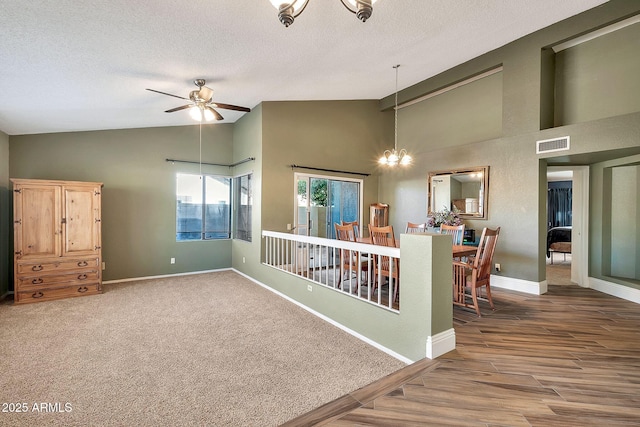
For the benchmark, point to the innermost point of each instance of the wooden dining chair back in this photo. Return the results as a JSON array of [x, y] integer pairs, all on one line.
[[350, 261], [456, 231], [355, 225], [469, 278], [385, 266], [413, 227], [382, 236]]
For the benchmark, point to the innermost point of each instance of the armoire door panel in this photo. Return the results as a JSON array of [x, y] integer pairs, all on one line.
[[37, 222], [81, 212]]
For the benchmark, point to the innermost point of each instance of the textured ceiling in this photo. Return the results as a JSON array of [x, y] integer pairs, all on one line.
[[69, 65]]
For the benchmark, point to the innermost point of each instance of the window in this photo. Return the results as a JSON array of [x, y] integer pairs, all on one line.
[[242, 202], [203, 207]]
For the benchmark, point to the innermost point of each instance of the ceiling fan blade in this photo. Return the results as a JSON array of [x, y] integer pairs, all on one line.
[[230, 107], [205, 93], [164, 93], [216, 115], [182, 107]]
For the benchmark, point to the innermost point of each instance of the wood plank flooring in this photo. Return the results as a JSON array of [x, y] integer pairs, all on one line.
[[570, 357]]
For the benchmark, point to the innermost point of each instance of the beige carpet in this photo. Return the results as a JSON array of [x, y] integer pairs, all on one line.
[[211, 349]]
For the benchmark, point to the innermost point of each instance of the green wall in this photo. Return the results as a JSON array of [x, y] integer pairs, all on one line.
[[616, 245], [624, 227], [5, 216], [339, 135], [138, 203], [247, 142], [517, 181], [598, 79]]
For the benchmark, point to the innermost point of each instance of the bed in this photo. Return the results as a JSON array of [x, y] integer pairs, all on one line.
[[558, 240]]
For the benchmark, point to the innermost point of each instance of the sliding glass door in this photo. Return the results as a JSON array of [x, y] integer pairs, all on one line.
[[322, 201]]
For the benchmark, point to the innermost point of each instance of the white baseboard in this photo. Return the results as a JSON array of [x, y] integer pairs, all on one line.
[[441, 343], [520, 285], [538, 288], [331, 321], [614, 289], [135, 279]]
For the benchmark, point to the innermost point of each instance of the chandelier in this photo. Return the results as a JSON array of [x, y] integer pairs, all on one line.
[[393, 157], [288, 10]]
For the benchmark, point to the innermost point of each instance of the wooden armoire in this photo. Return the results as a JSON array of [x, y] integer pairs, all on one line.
[[57, 239]]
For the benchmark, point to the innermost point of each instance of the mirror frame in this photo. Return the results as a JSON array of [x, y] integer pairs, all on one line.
[[485, 185]]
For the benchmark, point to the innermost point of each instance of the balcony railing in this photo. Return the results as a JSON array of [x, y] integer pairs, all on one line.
[[345, 267]]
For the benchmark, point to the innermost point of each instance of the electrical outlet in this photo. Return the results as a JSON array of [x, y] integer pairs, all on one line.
[[173, 260], [288, 227], [497, 267], [243, 260], [104, 265], [310, 288]]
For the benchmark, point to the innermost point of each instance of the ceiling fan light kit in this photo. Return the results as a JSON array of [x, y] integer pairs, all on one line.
[[394, 157], [202, 105], [288, 10]]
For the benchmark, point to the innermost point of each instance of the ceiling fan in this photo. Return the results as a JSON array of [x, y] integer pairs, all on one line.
[[202, 106]]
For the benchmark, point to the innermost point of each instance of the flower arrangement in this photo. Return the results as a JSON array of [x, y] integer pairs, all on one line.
[[445, 216]]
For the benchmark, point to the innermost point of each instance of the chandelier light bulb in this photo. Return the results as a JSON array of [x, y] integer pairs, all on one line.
[[208, 115], [195, 113], [405, 160], [362, 8], [288, 10]]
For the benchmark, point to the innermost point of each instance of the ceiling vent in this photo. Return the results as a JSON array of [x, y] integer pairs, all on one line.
[[555, 144]]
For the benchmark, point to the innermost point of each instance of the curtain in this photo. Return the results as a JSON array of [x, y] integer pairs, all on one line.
[[559, 207]]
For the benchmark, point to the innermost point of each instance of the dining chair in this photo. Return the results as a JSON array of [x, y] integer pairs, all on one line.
[[350, 261], [469, 278], [413, 227], [456, 231], [383, 266], [355, 225]]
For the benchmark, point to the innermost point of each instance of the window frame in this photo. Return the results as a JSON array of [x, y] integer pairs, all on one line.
[[236, 204], [203, 209]]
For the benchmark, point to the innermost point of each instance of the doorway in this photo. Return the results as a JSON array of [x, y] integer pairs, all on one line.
[[570, 262]]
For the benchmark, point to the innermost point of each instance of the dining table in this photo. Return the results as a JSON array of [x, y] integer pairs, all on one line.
[[459, 251]]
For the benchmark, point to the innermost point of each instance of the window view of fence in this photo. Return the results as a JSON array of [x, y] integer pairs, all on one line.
[[203, 207]]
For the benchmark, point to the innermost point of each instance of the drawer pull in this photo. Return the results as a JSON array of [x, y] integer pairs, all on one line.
[[82, 276], [83, 289], [37, 295], [37, 268], [82, 263], [37, 281]]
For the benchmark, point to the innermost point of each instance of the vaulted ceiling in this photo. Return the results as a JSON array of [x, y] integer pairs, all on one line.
[[68, 65]]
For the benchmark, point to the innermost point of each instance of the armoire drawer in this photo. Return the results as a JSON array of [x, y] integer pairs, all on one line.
[[57, 264], [46, 280], [46, 294]]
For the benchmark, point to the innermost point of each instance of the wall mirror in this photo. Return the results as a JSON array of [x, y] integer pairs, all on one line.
[[465, 189]]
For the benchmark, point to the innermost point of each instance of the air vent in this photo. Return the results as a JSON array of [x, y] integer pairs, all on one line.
[[555, 144]]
